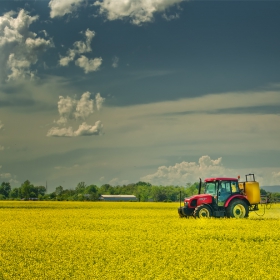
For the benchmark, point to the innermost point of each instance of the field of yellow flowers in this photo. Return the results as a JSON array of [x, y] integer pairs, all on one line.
[[131, 240]]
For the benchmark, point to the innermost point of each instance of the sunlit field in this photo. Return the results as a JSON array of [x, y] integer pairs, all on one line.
[[131, 240]]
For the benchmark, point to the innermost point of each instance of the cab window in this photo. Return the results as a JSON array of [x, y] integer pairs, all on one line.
[[229, 187], [234, 187], [225, 187], [210, 188]]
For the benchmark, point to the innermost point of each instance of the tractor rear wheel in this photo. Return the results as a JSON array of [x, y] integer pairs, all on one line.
[[202, 211], [237, 209]]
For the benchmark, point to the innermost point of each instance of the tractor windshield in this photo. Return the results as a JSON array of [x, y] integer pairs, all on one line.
[[210, 188]]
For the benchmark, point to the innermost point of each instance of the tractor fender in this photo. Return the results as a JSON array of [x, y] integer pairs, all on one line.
[[236, 196]]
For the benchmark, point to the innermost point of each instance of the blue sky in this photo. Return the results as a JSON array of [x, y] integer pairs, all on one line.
[[164, 91]]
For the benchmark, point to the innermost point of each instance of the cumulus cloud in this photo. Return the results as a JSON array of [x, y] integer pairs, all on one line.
[[70, 108], [89, 65], [73, 109], [190, 172], [187, 172], [60, 8], [84, 106], [83, 130], [84, 47], [80, 47], [64, 61], [139, 11], [19, 47], [87, 130], [66, 108], [99, 101]]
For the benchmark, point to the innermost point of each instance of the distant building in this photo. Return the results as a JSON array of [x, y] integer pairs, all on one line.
[[121, 197]]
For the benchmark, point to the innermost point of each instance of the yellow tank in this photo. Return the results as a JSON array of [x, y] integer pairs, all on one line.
[[252, 191]]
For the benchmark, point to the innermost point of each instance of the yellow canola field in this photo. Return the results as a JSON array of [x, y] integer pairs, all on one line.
[[131, 240]]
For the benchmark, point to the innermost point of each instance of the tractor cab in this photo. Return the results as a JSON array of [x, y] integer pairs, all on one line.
[[221, 189]]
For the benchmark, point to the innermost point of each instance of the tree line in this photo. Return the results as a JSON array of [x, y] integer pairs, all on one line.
[[142, 190]]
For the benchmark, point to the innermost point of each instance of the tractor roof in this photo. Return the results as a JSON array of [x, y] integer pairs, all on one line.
[[220, 179]]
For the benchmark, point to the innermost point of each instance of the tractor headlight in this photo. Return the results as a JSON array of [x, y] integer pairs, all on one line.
[[186, 204]]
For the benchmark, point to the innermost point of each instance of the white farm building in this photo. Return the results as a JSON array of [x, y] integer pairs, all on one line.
[[121, 197]]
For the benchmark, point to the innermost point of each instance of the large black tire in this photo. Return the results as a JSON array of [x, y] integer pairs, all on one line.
[[237, 209], [202, 211]]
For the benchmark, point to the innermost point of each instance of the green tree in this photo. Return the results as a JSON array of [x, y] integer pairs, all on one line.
[[15, 193], [263, 192], [143, 192], [192, 190], [91, 192], [5, 189], [80, 187], [158, 193], [106, 189], [58, 190], [41, 190], [26, 189]]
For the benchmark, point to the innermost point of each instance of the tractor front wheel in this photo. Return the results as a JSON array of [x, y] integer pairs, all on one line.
[[202, 211], [237, 209]]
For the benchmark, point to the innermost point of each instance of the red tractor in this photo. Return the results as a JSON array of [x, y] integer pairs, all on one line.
[[223, 197]]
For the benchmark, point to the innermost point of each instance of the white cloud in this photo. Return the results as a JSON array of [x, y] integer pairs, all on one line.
[[60, 8], [61, 132], [45, 33], [83, 130], [99, 101], [170, 17], [66, 108], [5, 175], [187, 172], [19, 47], [84, 47], [138, 10], [73, 109], [89, 65], [64, 61], [84, 106], [190, 172], [87, 130], [115, 63], [80, 47], [69, 108]]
